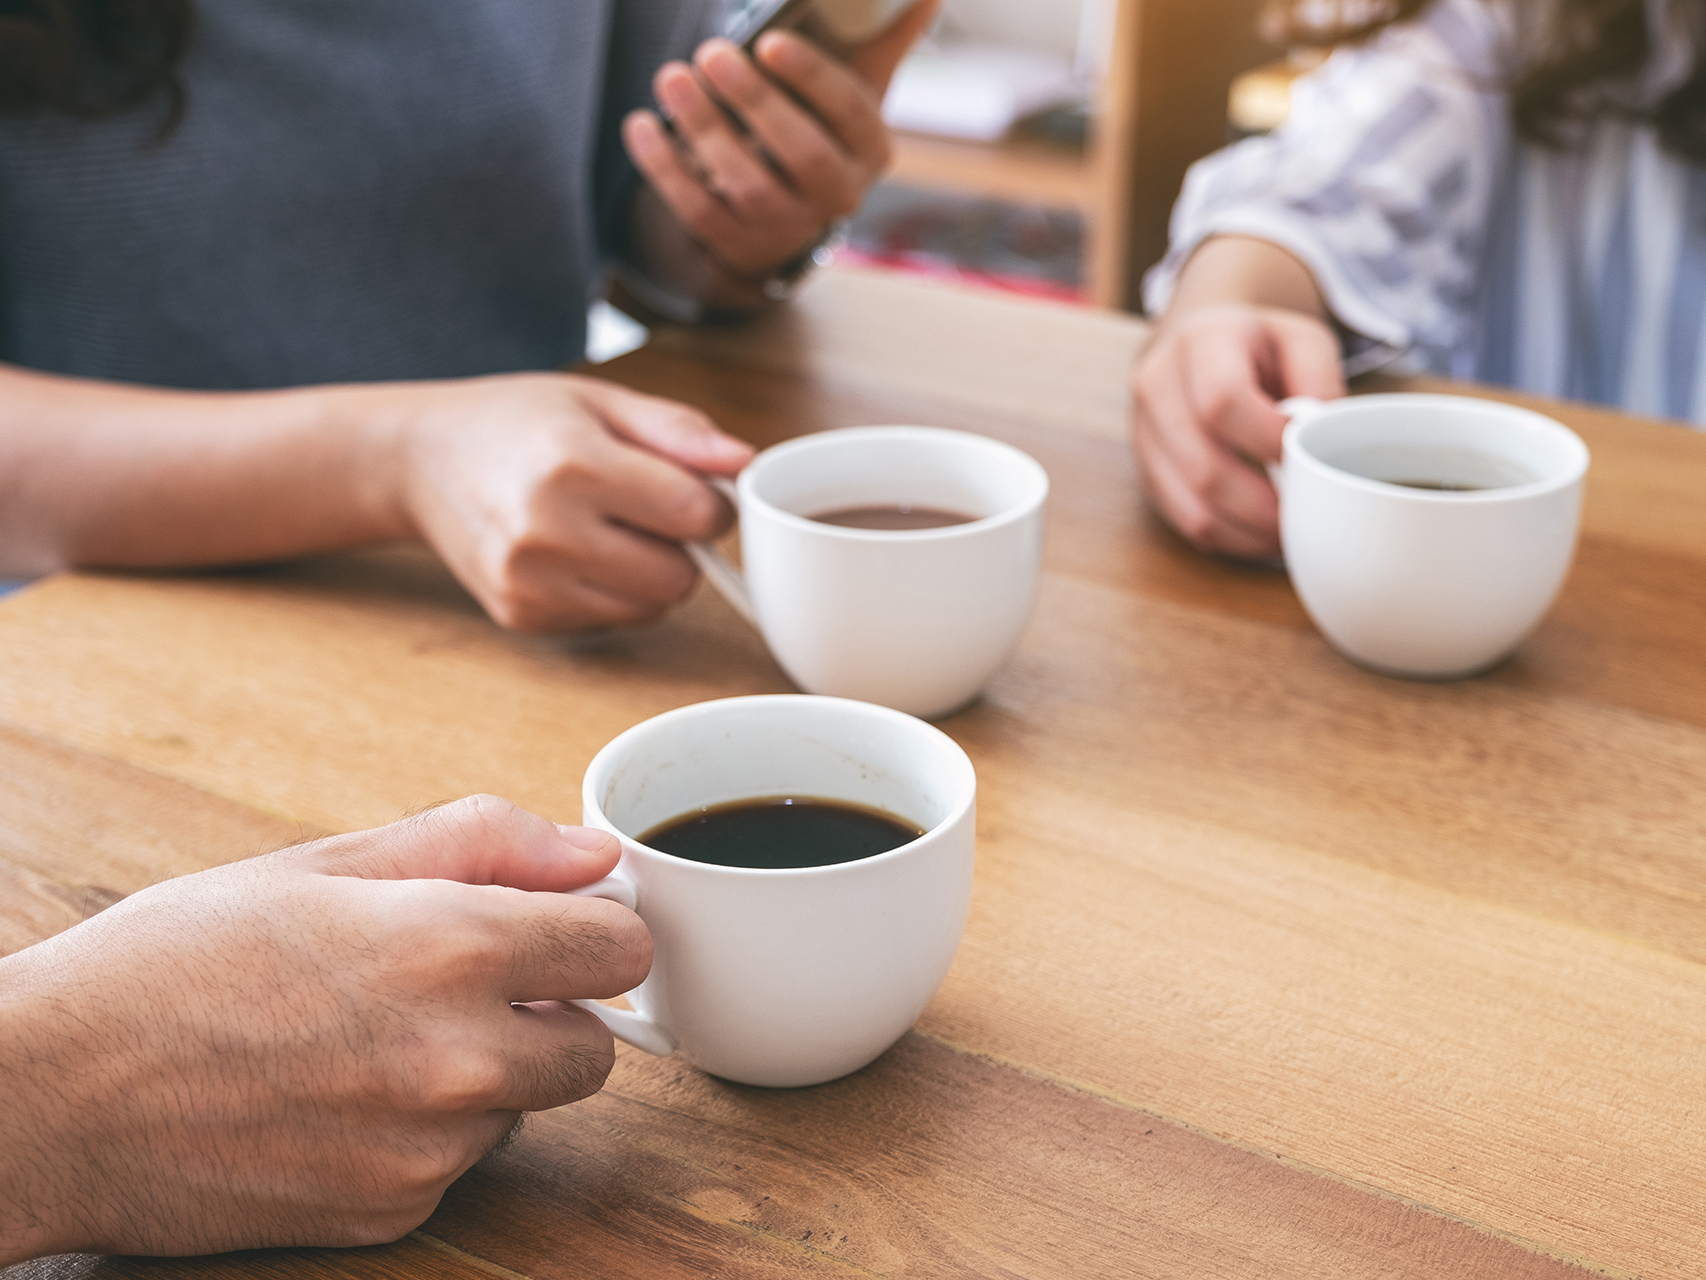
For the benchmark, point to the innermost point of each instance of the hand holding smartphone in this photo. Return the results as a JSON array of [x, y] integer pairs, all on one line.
[[760, 146], [840, 27]]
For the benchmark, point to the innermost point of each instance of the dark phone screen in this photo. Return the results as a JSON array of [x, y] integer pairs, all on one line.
[[746, 26], [840, 26]]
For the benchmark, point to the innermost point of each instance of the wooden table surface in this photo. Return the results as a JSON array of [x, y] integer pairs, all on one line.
[[1275, 967]]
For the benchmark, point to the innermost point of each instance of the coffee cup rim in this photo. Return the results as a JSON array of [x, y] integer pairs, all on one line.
[[747, 485], [592, 804], [1293, 446]]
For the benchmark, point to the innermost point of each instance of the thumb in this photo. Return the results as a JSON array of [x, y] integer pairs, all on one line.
[[480, 840], [875, 63], [677, 431]]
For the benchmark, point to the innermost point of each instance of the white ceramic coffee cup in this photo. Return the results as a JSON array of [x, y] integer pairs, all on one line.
[[1419, 582], [916, 620], [792, 977]]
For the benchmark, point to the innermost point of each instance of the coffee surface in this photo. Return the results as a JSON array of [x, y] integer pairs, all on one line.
[[1435, 470], [893, 517], [776, 833], [1441, 486]]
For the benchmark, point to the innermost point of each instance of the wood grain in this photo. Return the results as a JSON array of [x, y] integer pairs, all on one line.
[[935, 1162], [917, 347], [418, 1257], [1060, 836], [84, 831], [1468, 1057], [921, 1166], [930, 1163], [1397, 979]]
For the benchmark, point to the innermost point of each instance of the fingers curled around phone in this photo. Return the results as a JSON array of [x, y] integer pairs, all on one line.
[[848, 105], [760, 157], [749, 246], [829, 150], [730, 158]]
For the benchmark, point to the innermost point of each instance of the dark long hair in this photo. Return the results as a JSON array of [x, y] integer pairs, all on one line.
[[1584, 49], [93, 58]]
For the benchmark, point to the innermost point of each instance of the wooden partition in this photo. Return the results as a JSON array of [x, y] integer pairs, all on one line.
[[1161, 106]]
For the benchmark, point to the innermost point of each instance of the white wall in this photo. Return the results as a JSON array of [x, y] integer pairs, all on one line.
[[1046, 25]]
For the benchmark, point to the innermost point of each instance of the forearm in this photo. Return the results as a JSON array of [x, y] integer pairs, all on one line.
[[36, 1216], [104, 474], [1242, 269]]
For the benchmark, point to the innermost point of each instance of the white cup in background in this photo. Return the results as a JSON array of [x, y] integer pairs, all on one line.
[[785, 977], [1420, 582], [916, 620]]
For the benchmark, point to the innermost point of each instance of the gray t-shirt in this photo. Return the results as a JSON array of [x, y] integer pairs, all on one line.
[[359, 191]]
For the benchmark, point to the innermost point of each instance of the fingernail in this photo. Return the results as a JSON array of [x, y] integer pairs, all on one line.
[[590, 839]]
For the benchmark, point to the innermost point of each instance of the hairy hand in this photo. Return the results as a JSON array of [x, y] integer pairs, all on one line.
[[305, 1048], [767, 151], [560, 501], [1205, 421]]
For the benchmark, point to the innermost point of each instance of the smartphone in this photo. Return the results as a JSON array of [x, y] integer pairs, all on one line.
[[841, 27]]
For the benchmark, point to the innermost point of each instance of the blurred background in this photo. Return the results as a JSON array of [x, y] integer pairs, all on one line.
[[1041, 143]]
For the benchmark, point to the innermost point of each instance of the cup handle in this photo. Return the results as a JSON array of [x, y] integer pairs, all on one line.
[[1296, 409], [631, 1028], [1301, 407], [722, 575]]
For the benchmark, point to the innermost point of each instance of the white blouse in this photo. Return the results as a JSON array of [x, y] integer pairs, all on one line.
[[1445, 244]]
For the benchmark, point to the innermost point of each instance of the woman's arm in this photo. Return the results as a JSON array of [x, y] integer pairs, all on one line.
[[1247, 328], [1367, 209], [557, 500], [95, 473], [1233, 269]]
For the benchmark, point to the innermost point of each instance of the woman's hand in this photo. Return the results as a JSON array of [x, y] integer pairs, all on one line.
[[1205, 422], [559, 501], [769, 151], [305, 1048]]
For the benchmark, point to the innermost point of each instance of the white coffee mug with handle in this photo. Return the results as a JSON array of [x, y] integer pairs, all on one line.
[[1415, 580], [919, 619], [798, 976]]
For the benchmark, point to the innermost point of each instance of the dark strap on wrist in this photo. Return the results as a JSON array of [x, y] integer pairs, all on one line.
[[779, 285]]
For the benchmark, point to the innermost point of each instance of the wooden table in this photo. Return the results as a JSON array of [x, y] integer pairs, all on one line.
[[1275, 968]]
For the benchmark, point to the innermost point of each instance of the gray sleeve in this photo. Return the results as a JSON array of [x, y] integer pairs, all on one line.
[[643, 35]]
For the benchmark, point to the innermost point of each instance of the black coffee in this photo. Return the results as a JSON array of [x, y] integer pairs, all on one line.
[[1441, 486], [778, 832], [896, 517]]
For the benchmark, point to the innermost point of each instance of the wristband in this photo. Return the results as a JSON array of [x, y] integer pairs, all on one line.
[[780, 284]]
